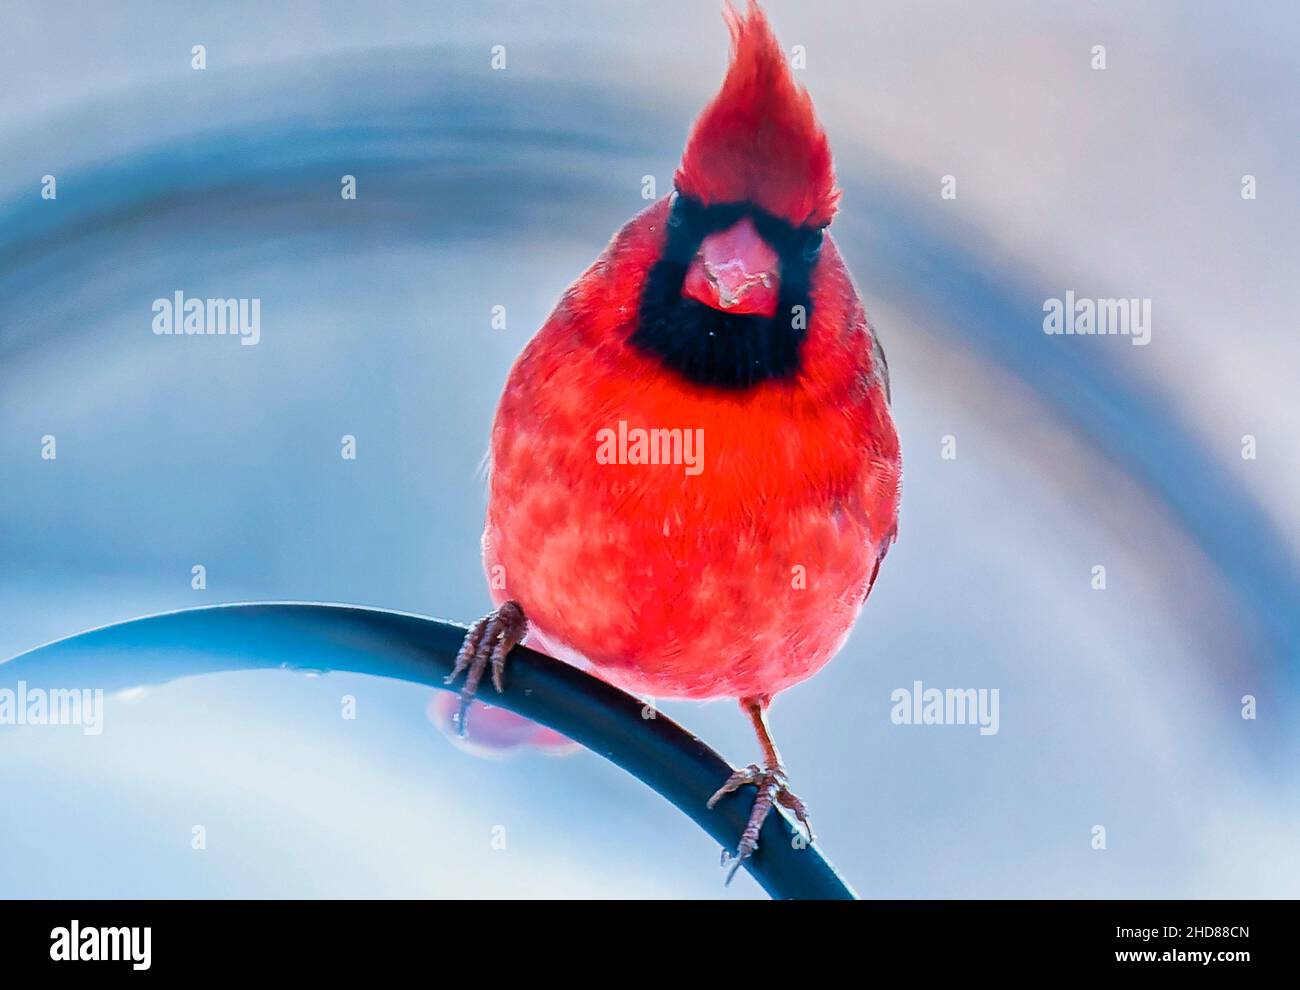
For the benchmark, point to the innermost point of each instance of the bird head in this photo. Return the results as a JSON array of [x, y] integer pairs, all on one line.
[[745, 223], [757, 144]]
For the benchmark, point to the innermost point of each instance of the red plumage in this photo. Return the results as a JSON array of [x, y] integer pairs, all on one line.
[[723, 309], [746, 578]]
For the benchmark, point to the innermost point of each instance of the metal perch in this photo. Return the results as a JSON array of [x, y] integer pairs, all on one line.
[[300, 636]]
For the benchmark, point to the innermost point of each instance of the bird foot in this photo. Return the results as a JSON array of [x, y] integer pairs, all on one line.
[[773, 789], [488, 641]]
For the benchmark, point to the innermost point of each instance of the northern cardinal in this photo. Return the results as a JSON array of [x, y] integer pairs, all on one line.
[[694, 470]]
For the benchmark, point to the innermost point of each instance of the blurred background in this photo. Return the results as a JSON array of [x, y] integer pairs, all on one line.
[[479, 187]]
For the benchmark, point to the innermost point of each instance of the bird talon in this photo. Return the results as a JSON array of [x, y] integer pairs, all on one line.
[[773, 788], [488, 643], [735, 861], [462, 714], [787, 799], [739, 778]]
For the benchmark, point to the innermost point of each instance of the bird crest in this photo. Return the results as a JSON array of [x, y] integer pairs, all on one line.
[[759, 141]]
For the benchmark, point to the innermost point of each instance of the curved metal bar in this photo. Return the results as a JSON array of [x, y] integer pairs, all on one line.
[[315, 637]]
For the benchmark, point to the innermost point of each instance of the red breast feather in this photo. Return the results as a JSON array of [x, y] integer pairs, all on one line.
[[746, 577]]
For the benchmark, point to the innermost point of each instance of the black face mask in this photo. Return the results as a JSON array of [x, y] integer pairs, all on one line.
[[726, 350]]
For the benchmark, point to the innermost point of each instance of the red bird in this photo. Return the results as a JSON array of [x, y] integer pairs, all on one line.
[[694, 470]]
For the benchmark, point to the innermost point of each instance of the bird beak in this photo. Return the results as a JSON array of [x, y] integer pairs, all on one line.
[[735, 271]]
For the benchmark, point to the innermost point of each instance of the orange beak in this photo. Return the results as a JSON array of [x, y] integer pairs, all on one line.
[[735, 271]]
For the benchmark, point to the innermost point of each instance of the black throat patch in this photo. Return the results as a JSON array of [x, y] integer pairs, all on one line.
[[707, 346]]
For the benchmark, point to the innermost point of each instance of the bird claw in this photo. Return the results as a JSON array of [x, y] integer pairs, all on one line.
[[773, 789], [488, 642]]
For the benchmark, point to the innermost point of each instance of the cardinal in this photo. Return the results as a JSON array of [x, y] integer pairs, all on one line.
[[724, 544]]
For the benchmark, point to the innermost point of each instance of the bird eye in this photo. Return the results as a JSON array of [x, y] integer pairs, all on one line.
[[812, 247]]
